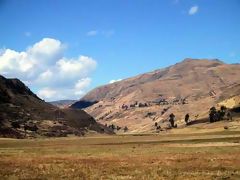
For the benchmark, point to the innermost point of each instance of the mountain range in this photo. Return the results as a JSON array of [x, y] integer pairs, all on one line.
[[191, 86], [63, 103]]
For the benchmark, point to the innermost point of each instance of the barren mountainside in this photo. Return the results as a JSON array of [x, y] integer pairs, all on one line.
[[191, 86], [20, 107]]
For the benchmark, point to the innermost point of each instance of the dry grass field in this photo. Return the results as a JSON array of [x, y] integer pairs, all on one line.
[[146, 156]]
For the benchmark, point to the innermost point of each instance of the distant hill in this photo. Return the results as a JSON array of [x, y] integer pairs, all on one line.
[[20, 107], [191, 86], [63, 103]]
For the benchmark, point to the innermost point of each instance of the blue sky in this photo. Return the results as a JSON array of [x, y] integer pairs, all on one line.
[[116, 39]]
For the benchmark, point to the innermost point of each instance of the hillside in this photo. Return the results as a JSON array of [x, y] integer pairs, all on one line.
[[62, 103], [21, 109], [191, 86]]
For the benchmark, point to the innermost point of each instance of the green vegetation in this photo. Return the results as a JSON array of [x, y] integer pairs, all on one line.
[[173, 156]]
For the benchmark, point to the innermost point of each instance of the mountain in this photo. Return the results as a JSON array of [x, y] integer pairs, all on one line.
[[63, 103], [191, 86], [20, 108]]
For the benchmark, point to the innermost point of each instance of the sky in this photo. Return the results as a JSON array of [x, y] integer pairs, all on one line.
[[62, 49]]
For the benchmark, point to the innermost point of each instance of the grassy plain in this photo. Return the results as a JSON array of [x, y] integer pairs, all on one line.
[[143, 156]]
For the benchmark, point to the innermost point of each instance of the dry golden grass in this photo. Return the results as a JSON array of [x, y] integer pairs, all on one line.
[[195, 156]]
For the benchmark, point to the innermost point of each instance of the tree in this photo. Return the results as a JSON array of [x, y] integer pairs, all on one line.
[[186, 118], [212, 114], [125, 129], [222, 112], [172, 119], [223, 108], [112, 126]]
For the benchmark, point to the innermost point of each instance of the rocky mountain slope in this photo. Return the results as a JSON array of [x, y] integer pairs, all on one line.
[[63, 103], [191, 86], [23, 114]]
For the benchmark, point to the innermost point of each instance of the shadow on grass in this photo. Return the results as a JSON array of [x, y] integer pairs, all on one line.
[[198, 121]]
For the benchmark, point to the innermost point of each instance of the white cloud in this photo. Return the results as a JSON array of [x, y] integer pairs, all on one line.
[[45, 78], [47, 93], [13, 63], [46, 75], [44, 67], [71, 67], [47, 51], [113, 81], [193, 10], [92, 33], [82, 84]]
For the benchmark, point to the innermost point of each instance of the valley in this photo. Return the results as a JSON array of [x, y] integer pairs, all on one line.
[[122, 130], [189, 155], [120, 90]]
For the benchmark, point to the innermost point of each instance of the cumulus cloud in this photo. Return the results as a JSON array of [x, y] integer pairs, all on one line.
[[193, 10], [13, 63], [72, 67], [114, 80], [47, 93], [44, 67], [82, 84], [47, 51]]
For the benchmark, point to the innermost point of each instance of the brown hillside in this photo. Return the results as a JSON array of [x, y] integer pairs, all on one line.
[[62, 104], [191, 86]]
